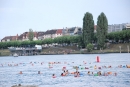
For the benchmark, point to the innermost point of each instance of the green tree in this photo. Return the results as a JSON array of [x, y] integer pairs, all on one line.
[[88, 28], [89, 47], [38, 42], [31, 35], [102, 27]]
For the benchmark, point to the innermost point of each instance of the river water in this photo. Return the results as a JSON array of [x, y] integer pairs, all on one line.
[[30, 65]]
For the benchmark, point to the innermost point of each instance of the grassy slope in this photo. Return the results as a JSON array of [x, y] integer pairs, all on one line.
[[112, 48], [4, 52], [115, 47]]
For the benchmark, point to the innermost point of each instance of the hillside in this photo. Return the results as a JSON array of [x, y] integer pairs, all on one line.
[[113, 48]]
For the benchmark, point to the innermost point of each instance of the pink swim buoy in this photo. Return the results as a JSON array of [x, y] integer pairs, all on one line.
[[98, 60]]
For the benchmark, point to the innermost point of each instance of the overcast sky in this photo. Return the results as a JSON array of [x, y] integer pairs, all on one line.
[[18, 16]]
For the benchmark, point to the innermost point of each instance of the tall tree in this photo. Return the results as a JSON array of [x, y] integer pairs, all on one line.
[[88, 28], [31, 34], [102, 28]]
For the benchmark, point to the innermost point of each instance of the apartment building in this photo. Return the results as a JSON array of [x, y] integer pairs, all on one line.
[[116, 27]]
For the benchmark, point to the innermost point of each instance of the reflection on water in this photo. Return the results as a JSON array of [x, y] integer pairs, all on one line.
[[30, 65]]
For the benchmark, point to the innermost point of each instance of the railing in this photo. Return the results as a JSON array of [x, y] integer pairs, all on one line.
[[21, 48]]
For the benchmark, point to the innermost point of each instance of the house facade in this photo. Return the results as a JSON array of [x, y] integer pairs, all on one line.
[[25, 36], [40, 35], [59, 33], [50, 34], [9, 38], [72, 31]]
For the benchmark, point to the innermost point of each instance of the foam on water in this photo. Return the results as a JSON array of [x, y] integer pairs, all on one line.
[[9, 74]]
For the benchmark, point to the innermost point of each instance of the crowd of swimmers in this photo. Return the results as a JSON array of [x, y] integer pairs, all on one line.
[[77, 73], [52, 63], [89, 73]]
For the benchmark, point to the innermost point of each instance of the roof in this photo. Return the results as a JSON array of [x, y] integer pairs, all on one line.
[[59, 31], [50, 32], [20, 37], [25, 34], [9, 37], [71, 30], [14, 37], [40, 33]]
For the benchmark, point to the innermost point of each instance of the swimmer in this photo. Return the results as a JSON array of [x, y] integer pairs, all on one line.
[[92, 73], [109, 73], [75, 74], [109, 66], [105, 67], [86, 68], [39, 72], [115, 74], [78, 74], [20, 72], [88, 72], [62, 74], [105, 74], [99, 73], [53, 76], [41, 63], [120, 66], [99, 67], [67, 72], [95, 67]]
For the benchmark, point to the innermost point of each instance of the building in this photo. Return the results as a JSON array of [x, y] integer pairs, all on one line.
[[78, 31], [25, 36], [116, 27], [95, 28], [9, 38], [72, 31], [40, 35], [59, 33], [50, 34], [128, 26]]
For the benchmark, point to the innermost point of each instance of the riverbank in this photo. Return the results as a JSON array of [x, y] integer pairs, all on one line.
[[4, 52], [112, 48]]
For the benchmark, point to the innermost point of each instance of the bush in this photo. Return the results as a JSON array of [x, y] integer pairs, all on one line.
[[89, 47]]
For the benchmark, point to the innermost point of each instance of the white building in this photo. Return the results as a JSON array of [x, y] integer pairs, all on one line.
[[116, 27], [128, 26]]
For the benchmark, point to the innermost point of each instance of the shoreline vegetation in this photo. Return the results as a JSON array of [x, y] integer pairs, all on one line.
[[112, 48]]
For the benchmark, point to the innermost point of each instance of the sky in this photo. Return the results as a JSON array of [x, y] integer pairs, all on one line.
[[18, 16]]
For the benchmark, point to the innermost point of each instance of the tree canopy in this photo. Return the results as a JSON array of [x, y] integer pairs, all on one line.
[[102, 28], [88, 28], [31, 35]]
